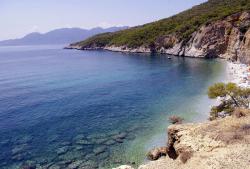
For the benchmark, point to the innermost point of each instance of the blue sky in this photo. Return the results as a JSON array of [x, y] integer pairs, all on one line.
[[19, 17]]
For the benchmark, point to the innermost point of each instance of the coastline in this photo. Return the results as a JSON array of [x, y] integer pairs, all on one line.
[[239, 73], [203, 139]]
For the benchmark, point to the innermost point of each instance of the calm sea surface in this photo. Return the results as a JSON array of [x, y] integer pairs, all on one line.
[[94, 109]]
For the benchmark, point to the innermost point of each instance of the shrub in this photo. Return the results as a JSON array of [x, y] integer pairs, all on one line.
[[185, 156], [232, 97], [175, 119]]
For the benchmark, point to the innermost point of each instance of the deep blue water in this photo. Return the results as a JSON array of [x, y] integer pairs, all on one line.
[[95, 108]]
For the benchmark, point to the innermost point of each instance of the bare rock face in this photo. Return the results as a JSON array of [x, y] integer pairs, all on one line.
[[219, 144], [156, 153], [228, 38]]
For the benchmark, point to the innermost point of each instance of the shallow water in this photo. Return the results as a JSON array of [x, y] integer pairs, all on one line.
[[94, 109]]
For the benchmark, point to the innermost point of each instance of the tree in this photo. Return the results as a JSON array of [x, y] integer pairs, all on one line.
[[231, 95]]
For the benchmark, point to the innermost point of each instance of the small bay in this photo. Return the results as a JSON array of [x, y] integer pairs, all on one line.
[[94, 108]]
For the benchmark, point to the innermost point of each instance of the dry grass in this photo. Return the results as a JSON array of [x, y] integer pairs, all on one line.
[[230, 130]]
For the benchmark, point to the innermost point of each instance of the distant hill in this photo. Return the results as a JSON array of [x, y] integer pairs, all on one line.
[[59, 36], [216, 28], [182, 24]]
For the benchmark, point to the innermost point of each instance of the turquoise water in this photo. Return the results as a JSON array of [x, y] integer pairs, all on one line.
[[94, 109]]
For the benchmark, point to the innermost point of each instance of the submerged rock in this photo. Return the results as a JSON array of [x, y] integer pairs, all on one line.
[[78, 148], [110, 142], [156, 153], [75, 164], [120, 136], [89, 165], [83, 142], [62, 150], [100, 140], [80, 137], [99, 150], [66, 143], [103, 156]]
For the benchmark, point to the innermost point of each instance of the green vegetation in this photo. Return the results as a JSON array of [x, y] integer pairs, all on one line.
[[232, 98], [183, 25]]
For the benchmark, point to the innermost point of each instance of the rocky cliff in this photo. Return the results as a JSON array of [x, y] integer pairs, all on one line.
[[219, 144], [227, 38]]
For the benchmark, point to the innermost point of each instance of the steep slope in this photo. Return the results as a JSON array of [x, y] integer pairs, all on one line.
[[59, 36], [217, 28]]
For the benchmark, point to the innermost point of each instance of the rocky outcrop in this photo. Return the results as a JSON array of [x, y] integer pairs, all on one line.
[[156, 153], [228, 38], [218, 144]]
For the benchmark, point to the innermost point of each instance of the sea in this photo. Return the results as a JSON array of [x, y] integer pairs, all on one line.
[[95, 109]]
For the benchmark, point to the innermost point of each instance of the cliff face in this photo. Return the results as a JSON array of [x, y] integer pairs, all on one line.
[[227, 38]]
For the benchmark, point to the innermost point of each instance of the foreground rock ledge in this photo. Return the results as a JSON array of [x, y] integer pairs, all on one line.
[[219, 144]]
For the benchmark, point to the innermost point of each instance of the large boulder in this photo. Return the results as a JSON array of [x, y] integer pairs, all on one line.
[[156, 153]]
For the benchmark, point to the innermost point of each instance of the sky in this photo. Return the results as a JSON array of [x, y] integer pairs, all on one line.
[[20, 17]]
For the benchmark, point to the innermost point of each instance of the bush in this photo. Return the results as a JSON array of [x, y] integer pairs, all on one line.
[[175, 119], [232, 97]]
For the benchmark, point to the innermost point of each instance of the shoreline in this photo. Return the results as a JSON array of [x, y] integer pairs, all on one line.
[[239, 74], [235, 72]]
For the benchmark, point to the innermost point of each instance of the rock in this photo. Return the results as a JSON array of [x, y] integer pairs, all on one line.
[[120, 136], [110, 142], [118, 140], [66, 143], [124, 167], [99, 150], [100, 140], [72, 155], [78, 148], [156, 153], [62, 150], [83, 142], [75, 164], [54, 166], [90, 156], [66, 162], [88, 165], [103, 156], [96, 136], [80, 137]]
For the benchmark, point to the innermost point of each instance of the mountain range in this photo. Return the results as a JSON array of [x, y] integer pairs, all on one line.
[[59, 36]]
